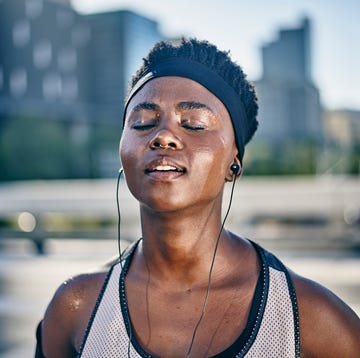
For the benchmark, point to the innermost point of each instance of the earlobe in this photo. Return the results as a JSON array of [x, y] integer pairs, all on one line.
[[235, 170]]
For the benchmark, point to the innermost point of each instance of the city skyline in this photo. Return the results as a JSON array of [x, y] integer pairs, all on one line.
[[335, 33], [77, 72]]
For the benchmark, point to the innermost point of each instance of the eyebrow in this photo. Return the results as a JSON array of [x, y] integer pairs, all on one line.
[[147, 106], [193, 105]]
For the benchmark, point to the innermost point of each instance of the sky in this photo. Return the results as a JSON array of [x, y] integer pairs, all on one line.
[[244, 26]]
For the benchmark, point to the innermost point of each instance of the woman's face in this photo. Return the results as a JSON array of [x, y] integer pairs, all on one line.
[[177, 145]]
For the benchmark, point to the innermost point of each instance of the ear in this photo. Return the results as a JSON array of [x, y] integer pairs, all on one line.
[[235, 170]]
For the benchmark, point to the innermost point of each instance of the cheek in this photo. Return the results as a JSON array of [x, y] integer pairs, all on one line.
[[128, 148], [129, 158], [128, 151], [213, 163], [123, 150], [221, 153]]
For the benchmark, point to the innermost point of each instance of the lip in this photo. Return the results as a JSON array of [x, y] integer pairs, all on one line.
[[164, 169]]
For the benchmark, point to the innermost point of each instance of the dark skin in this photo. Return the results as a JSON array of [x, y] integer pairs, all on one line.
[[188, 129]]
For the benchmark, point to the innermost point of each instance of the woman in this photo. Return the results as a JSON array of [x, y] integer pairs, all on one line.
[[190, 288]]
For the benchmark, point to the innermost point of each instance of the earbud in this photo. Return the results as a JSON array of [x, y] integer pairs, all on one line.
[[236, 168]]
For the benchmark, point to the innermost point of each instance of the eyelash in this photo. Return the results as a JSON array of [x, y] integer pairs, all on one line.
[[144, 127], [192, 128]]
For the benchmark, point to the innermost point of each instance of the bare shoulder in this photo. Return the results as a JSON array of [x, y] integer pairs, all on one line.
[[328, 326], [69, 311]]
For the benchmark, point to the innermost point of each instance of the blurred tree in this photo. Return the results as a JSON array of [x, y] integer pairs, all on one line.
[[33, 148], [104, 149], [295, 157], [48, 148], [355, 160]]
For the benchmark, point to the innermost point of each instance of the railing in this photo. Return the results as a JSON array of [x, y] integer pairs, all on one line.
[[308, 211], [38, 228]]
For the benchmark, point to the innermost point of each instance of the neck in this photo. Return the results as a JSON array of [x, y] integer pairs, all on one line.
[[182, 244]]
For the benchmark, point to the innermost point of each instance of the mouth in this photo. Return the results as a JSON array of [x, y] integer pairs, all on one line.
[[164, 171], [165, 168]]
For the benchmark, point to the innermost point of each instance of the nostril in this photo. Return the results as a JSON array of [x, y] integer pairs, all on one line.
[[165, 140], [166, 146]]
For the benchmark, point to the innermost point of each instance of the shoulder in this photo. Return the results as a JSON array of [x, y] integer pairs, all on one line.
[[328, 327], [69, 311]]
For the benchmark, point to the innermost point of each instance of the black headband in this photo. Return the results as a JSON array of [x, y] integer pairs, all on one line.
[[200, 73]]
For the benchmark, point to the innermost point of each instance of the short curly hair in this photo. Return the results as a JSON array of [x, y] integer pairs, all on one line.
[[218, 61]]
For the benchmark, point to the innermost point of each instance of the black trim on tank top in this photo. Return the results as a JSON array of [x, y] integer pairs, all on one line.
[[98, 301], [244, 342], [278, 265]]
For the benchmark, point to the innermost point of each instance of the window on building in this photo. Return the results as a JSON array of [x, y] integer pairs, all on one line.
[[42, 54], [70, 88], [67, 59], [80, 35], [18, 82], [64, 18], [21, 33], [33, 8], [52, 86]]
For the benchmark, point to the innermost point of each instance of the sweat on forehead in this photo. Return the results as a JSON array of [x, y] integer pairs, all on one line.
[[208, 78]]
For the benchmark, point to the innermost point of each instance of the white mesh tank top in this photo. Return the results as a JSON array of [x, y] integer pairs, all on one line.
[[272, 330]]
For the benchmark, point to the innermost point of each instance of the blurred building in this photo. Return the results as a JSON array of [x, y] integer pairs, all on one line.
[[40, 58], [67, 74], [342, 142], [342, 127], [119, 41], [289, 100], [54, 61]]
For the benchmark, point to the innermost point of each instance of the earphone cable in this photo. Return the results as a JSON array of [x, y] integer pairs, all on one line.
[[119, 248], [210, 273]]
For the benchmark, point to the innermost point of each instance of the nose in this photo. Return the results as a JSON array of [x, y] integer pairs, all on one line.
[[164, 138]]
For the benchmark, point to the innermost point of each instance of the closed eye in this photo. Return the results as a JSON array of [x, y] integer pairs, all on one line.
[[193, 127], [143, 127]]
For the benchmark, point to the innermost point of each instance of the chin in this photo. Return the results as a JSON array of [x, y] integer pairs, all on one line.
[[163, 206]]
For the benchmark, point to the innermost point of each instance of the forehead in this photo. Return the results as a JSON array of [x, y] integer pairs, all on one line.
[[174, 89]]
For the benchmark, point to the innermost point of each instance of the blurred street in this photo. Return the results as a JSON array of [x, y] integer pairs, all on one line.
[[312, 224], [28, 282]]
